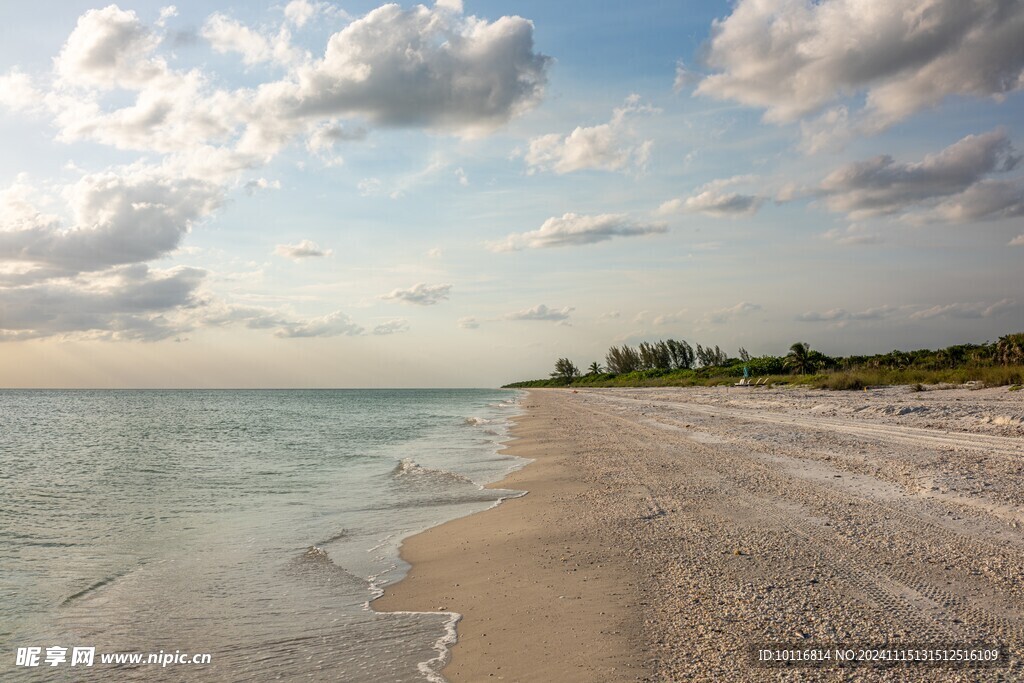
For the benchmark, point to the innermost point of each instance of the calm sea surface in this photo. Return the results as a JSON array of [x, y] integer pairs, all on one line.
[[251, 525]]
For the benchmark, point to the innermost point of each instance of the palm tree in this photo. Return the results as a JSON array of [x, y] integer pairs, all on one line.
[[594, 369], [799, 358], [1010, 349]]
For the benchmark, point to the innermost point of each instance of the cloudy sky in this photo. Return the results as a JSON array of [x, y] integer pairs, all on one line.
[[314, 193]]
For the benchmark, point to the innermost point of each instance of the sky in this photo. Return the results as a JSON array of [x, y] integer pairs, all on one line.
[[349, 194]]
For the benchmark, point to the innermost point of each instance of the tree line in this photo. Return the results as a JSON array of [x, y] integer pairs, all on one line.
[[671, 355]]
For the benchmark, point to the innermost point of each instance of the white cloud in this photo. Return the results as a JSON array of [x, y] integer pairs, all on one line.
[[255, 185], [299, 12], [325, 137], [684, 78], [953, 176], [968, 311], [611, 146], [227, 35], [437, 69], [841, 314], [434, 253], [331, 325], [1017, 241], [610, 315], [671, 318], [574, 230], [468, 323], [302, 250], [108, 48], [130, 216], [985, 200], [541, 312], [434, 68], [122, 303], [826, 133], [794, 58], [712, 199], [418, 67], [391, 327], [421, 294], [17, 92], [724, 315], [168, 12]]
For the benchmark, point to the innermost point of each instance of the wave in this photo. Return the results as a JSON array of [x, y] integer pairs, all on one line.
[[336, 537], [477, 421], [106, 581], [409, 468]]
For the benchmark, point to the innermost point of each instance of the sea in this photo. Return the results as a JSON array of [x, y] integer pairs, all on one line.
[[255, 527]]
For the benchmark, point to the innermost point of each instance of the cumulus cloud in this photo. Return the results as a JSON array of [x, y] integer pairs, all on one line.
[[302, 250], [714, 199], [574, 230], [331, 325], [1017, 241], [970, 311], [419, 67], [131, 216], [17, 92], [122, 303], [951, 182], [612, 146], [468, 323], [541, 312], [391, 327], [794, 58], [429, 68], [421, 294], [724, 315], [985, 200], [109, 48], [841, 314], [435, 69]]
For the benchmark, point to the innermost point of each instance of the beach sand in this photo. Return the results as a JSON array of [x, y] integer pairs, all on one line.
[[668, 530], [546, 593]]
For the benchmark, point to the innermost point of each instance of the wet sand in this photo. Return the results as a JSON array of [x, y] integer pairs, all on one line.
[[668, 530], [545, 593]]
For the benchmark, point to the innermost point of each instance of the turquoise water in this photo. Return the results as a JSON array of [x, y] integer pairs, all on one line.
[[251, 525]]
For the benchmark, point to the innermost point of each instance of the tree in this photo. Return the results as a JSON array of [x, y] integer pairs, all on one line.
[[565, 370], [595, 369], [711, 357], [1010, 349], [621, 360], [744, 356], [799, 358], [681, 353]]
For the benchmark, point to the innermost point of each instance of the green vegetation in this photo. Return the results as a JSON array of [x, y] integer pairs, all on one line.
[[672, 363]]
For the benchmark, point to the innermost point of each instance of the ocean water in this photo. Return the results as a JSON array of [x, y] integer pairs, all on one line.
[[251, 525]]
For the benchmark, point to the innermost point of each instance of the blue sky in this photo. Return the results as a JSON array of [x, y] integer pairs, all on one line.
[[349, 194]]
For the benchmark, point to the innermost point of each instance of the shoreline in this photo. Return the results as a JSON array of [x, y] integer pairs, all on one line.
[[543, 593], [666, 531]]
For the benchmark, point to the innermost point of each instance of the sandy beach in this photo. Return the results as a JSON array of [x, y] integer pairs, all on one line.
[[668, 530]]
